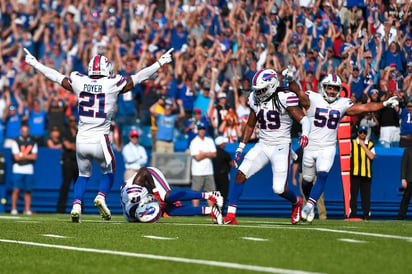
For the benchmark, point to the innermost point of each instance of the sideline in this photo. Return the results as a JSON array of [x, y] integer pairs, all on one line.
[[166, 258], [300, 227]]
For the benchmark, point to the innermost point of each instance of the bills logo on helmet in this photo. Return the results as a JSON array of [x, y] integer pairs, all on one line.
[[149, 212], [268, 77]]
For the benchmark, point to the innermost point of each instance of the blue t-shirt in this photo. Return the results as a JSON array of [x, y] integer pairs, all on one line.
[[165, 127], [13, 123], [187, 96], [178, 39], [201, 102], [357, 86], [389, 58], [37, 123]]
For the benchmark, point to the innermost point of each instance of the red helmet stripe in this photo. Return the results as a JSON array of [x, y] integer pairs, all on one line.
[[96, 63]]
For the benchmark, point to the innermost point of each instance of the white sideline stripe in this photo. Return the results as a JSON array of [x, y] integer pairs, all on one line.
[[11, 217], [54, 236], [27, 222], [409, 239], [297, 227], [166, 258], [254, 239], [158, 238], [351, 241]]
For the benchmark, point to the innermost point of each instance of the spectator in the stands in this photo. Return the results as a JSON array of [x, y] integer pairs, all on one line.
[[166, 124], [54, 141], [190, 127], [37, 123]]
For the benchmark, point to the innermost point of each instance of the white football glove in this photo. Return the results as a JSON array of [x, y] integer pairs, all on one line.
[[166, 58], [288, 74], [391, 102], [30, 59]]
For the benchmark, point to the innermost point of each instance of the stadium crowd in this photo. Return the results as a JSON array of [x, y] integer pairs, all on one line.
[[218, 46]]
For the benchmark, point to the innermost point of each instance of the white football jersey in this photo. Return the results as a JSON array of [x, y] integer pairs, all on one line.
[[96, 101], [274, 124], [130, 196], [325, 118]]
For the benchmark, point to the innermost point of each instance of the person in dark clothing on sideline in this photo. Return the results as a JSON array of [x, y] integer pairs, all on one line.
[[70, 170], [406, 177], [363, 153], [221, 167]]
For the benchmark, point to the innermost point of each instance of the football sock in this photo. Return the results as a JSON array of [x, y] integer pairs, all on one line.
[[183, 196], [306, 188], [319, 186], [80, 187], [289, 195], [231, 210], [185, 211], [235, 192], [106, 183]]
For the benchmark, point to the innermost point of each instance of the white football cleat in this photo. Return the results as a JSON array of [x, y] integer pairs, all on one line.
[[100, 203], [216, 198], [311, 215], [75, 213], [308, 213], [216, 215]]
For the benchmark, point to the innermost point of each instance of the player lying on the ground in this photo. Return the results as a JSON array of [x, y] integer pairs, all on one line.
[[139, 205]]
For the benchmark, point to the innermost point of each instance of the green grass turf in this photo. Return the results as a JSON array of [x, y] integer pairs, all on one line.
[[255, 245]]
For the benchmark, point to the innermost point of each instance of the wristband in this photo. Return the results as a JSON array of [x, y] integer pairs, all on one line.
[[241, 145]]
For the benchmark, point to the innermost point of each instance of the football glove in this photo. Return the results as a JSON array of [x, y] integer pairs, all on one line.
[[391, 102], [30, 59], [166, 58], [303, 141], [238, 155], [288, 74]]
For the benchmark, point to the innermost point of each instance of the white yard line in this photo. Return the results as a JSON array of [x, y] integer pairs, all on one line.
[[352, 241], [54, 236], [254, 239], [158, 238], [256, 268]]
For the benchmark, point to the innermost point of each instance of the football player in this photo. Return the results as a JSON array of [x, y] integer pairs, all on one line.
[[325, 110], [272, 108], [150, 180], [97, 94]]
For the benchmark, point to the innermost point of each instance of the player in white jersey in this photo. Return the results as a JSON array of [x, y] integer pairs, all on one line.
[[151, 180], [325, 110], [272, 109], [97, 95]]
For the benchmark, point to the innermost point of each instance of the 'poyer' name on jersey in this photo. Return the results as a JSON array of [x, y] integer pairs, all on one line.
[[93, 88]]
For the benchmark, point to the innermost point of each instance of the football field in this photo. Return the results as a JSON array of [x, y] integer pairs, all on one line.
[[50, 243]]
